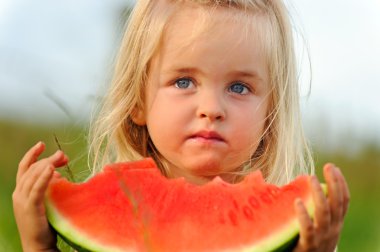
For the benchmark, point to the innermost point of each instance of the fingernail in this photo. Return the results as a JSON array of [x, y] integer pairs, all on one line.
[[332, 170], [57, 153], [339, 171]]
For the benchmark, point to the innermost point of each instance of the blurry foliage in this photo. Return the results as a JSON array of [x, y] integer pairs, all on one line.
[[362, 170], [15, 139]]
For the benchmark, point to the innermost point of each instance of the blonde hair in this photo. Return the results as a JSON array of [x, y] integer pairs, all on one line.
[[283, 152]]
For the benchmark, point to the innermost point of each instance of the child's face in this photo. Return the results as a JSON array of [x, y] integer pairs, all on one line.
[[206, 99]]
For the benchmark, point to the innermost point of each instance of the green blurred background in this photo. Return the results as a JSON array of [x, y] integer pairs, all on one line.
[[55, 56]]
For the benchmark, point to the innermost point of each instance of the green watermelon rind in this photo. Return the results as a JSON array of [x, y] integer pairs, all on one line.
[[283, 240], [72, 236], [286, 238]]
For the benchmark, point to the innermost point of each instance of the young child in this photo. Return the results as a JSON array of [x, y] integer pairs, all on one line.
[[207, 88]]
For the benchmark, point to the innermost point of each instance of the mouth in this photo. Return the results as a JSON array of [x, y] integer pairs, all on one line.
[[207, 136]]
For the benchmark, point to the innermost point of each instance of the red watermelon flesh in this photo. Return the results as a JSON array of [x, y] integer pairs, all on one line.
[[132, 207]]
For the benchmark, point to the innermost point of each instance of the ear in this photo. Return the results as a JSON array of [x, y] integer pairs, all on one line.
[[138, 117]]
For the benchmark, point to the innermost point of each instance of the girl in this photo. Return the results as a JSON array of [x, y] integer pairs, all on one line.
[[207, 88]]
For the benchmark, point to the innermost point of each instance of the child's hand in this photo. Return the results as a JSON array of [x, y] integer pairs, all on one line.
[[33, 178], [322, 234]]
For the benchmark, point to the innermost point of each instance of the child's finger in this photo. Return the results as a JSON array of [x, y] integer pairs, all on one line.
[[29, 158], [322, 210], [60, 160], [335, 195], [30, 178], [307, 232], [38, 189], [56, 175], [345, 190], [30, 175]]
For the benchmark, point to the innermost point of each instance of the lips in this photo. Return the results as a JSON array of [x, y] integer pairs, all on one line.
[[208, 136]]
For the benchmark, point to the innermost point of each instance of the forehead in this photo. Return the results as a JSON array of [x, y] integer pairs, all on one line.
[[201, 22], [195, 32]]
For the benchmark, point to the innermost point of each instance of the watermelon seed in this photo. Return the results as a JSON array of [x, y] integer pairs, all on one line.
[[248, 212], [253, 202], [233, 218], [266, 198], [236, 205], [273, 191]]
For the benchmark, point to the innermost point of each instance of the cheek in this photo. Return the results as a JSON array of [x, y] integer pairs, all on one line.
[[250, 129], [248, 141], [163, 113], [164, 121], [158, 122]]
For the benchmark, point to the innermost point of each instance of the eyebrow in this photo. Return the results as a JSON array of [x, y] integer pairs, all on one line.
[[186, 70], [246, 74], [234, 73]]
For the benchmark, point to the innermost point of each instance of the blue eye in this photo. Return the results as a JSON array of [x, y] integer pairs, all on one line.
[[183, 83], [239, 88]]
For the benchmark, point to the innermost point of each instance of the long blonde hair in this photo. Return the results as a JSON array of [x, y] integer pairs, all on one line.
[[283, 151]]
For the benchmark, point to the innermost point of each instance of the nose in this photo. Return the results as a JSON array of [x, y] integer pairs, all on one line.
[[211, 106]]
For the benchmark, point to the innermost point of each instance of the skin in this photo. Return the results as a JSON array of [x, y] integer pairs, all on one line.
[[322, 233], [210, 99], [33, 178], [197, 90]]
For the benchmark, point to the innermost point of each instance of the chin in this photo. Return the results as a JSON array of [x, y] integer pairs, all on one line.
[[205, 167]]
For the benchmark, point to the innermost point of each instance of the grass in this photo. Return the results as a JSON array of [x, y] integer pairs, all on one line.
[[16, 138], [362, 170]]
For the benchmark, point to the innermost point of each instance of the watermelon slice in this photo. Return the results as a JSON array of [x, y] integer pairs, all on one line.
[[132, 207]]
